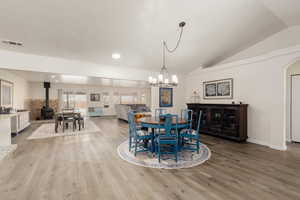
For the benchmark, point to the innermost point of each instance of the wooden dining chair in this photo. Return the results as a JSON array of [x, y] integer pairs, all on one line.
[[68, 110], [159, 112], [68, 118], [191, 138], [167, 142], [137, 136], [80, 120], [187, 115], [130, 129]]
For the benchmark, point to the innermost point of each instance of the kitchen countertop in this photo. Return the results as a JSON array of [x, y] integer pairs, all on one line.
[[6, 116]]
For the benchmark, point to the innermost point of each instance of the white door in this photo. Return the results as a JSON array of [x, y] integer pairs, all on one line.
[[296, 108]]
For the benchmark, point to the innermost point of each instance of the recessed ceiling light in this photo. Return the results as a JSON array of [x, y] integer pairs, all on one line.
[[116, 56]]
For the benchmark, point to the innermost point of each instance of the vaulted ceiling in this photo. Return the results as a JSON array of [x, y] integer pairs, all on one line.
[[93, 30]]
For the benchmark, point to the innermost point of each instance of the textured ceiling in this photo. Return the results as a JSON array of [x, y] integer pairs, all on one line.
[[93, 30]]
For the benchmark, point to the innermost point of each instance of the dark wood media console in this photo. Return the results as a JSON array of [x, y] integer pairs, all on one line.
[[223, 120]]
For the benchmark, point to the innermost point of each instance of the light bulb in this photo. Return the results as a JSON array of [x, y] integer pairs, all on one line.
[[160, 78], [174, 79], [154, 80], [150, 79]]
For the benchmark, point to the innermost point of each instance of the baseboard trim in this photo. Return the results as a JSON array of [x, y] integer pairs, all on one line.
[[255, 141], [280, 148]]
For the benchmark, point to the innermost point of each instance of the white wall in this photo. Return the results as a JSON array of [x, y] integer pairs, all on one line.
[[37, 91], [21, 90], [283, 39], [259, 82]]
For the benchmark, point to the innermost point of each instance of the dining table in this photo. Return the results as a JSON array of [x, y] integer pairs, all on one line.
[[59, 117], [158, 123]]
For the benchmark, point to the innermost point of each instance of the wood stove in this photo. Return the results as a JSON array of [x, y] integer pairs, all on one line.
[[46, 111]]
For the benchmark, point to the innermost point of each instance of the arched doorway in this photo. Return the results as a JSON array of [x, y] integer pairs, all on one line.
[[291, 70]]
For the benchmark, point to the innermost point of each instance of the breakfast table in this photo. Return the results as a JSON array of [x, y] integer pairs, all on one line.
[[60, 116]]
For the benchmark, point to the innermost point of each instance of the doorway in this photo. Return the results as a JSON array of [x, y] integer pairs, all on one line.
[[295, 108]]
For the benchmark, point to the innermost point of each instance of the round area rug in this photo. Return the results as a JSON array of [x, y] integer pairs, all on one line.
[[186, 159]]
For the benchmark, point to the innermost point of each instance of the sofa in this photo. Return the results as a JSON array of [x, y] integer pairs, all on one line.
[[123, 109], [95, 111]]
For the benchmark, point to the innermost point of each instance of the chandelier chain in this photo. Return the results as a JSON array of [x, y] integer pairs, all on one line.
[[165, 47], [177, 44]]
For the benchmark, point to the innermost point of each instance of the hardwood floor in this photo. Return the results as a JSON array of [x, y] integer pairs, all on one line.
[[88, 167]]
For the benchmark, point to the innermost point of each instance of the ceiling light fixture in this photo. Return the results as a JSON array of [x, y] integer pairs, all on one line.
[[163, 79], [116, 56]]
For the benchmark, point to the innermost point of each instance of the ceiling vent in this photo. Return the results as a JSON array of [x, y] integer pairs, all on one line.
[[13, 43]]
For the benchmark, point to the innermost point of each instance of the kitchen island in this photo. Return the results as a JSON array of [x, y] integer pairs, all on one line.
[[12, 123], [5, 129]]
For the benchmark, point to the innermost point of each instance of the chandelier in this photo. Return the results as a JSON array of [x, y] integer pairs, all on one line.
[[163, 79]]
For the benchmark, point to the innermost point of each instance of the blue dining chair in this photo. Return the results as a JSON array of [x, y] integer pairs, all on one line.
[[159, 112], [137, 137], [191, 138], [187, 115], [130, 129], [168, 138]]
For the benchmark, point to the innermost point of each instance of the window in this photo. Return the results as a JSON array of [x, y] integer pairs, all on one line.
[[129, 98], [76, 100]]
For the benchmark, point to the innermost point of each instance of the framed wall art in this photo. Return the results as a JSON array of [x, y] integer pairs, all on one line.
[[218, 89], [95, 97], [165, 97]]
